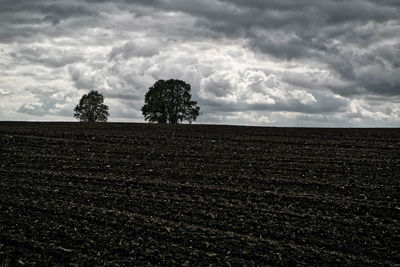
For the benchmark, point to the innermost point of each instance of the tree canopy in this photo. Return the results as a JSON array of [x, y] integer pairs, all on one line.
[[170, 102], [91, 108]]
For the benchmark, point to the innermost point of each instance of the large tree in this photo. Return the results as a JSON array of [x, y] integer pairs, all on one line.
[[91, 108], [170, 102]]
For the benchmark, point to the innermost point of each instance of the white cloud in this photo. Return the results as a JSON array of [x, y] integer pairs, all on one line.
[[4, 92], [144, 47], [221, 86]]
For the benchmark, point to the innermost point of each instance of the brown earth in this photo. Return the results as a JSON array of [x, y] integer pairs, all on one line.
[[137, 194]]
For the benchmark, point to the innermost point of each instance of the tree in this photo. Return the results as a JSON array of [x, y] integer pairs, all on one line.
[[91, 108], [169, 102]]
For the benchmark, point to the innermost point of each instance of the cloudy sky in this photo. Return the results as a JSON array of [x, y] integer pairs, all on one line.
[[250, 62]]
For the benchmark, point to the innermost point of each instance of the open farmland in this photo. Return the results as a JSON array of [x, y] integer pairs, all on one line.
[[135, 194]]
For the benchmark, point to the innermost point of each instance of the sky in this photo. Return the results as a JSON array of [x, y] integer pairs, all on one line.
[[323, 63]]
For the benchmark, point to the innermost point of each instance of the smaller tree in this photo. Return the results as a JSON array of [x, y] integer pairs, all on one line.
[[91, 108]]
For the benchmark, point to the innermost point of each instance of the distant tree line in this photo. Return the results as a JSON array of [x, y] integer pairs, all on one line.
[[165, 102]]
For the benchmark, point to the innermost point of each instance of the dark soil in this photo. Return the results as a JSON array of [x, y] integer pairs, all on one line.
[[144, 194]]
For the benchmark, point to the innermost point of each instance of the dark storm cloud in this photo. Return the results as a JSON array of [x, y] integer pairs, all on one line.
[[24, 20], [329, 32], [311, 57], [299, 16], [49, 9]]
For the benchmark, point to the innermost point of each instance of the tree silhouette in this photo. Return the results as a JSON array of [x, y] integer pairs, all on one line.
[[169, 102], [91, 108]]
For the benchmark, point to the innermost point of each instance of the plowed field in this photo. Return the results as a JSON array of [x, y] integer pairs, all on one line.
[[135, 194]]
